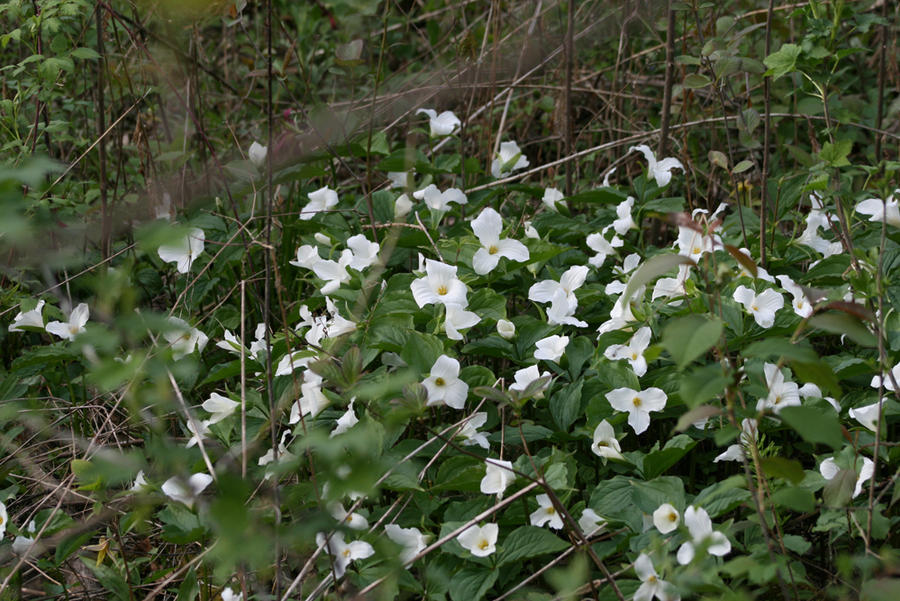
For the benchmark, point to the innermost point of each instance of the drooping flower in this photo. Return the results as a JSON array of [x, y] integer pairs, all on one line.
[[307, 257], [185, 252], [456, 318], [590, 523], [411, 539], [508, 159], [183, 339], [439, 202], [887, 211], [525, 376], [220, 407], [177, 489], [633, 352], [817, 219], [506, 329], [293, 361], [868, 414], [597, 242], [530, 232], [700, 526], [480, 541], [666, 518], [469, 434], [342, 553], [199, 431], [443, 384], [651, 585], [257, 154], [552, 198], [487, 227], [672, 287], [800, 303], [312, 400], [637, 404], [354, 521], [497, 476], [320, 200], [624, 221], [781, 393], [761, 273], [77, 318], [283, 453], [660, 171], [29, 319], [440, 285], [887, 381], [605, 443], [345, 421], [735, 452], [257, 347], [443, 124], [546, 514], [551, 348], [761, 306], [829, 469]]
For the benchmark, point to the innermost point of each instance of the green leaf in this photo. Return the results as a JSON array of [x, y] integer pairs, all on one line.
[[109, 578], [797, 544], [70, 544], [696, 81], [783, 61], [488, 304], [819, 373], [779, 467], [653, 268], [836, 154], [85, 53], [694, 415], [838, 322], [689, 337], [742, 166], [777, 348], [702, 384], [529, 541], [881, 589], [565, 405], [657, 462], [814, 426], [839, 490], [796, 498], [189, 588], [718, 158], [471, 584]]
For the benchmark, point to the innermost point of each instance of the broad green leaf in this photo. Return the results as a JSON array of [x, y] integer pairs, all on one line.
[[653, 268], [689, 337], [657, 462], [836, 154], [471, 583], [796, 498], [696, 81], [783, 61], [838, 322], [814, 426], [109, 578], [742, 166], [526, 542], [565, 405], [702, 384], [881, 589], [776, 348], [779, 467], [839, 490]]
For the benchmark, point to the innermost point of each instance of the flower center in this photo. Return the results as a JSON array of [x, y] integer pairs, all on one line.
[[634, 356], [695, 250], [492, 250], [483, 544], [73, 329], [651, 579], [346, 552], [603, 443], [439, 381], [551, 510], [673, 517], [754, 308], [777, 399], [636, 401], [442, 290]]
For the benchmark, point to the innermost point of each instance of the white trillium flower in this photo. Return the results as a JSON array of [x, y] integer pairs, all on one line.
[[508, 159], [887, 211], [398, 179], [700, 526], [694, 244], [229, 595], [506, 329], [800, 302], [293, 361], [4, 518], [761, 273], [487, 227], [637, 404], [530, 232], [345, 421], [444, 386], [736, 452], [651, 586], [199, 431], [829, 469], [480, 541], [761, 306], [525, 376], [334, 273], [456, 318], [353, 520], [546, 514], [29, 319], [887, 381], [77, 318], [633, 352], [185, 252], [590, 523], [666, 518], [312, 400], [257, 154], [623, 221], [177, 489], [411, 539], [439, 202], [553, 197], [220, 407], [560, 294], [443, 124], [320, 200], [283, 453], [551, 348], [440, 285], [184, 339], [402, 206], [811, 391], [469, 434], [307, 257], [660, 171], [605, 443], [497, 476], [365, 253], [868, 415], [21, 544], [781, 394], [140, 483], [342, 553], [672, 287], [597, 242]]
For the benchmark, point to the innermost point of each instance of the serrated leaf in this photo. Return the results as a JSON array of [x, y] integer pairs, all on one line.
[[783, 61], [835, 154], [814, 426], [689, 337]]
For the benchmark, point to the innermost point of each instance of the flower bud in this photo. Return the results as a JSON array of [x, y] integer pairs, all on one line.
[[506, 328]]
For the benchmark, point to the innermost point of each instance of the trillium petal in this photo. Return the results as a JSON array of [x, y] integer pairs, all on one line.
[[653, 399], [484, 262], [487, 226], [719, 544], [639, 421], [621, 399], [513, 250], [574, 277], [685, 553], [542, 292]]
